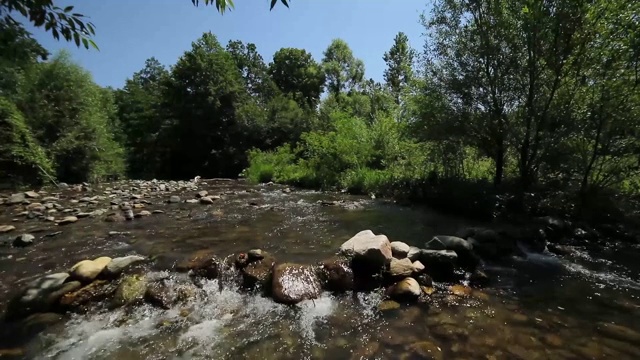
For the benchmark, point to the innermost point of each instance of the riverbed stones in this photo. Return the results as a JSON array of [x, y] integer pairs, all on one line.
[[6, 228], [406, 289], [336, 275], [174, 199], [40, 294], [117, 265], [399, 250], [143, 213], [418, 267], [24, 240], [87, 270], [31, 194], [115, 217], [67, 220], [202, 193], [439, 263], [206, 200], [203, 263], [15, 199], [256, 274], [94, 292], [130, 290], [36, 207], [293, 283], [401, 268], [368, 251]]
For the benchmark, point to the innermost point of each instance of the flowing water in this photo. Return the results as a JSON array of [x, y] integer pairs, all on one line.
[[586, 306]]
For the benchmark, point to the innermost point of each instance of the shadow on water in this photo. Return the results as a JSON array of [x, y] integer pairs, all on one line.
[[540, 307]]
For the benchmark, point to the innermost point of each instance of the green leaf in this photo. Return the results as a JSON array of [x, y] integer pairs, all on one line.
[[93, 44], [76, 38], [85, 42], [273, 3], [68, 9]]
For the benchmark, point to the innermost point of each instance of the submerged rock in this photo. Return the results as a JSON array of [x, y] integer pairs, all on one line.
[[293, 283]]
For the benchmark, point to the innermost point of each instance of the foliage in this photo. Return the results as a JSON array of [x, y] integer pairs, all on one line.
[[296, 74], [343, 71]]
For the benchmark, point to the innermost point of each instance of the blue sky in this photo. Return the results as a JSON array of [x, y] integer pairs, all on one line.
[[129, 32]]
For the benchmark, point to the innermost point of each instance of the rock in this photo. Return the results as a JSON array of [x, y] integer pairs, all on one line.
[[401, 268], [407, 289], [463, 248], [426, 350], [293, 283], [192, 201], [418, 267], [414, 253], [202, 194], [87, 270], [562, 250], [174, 199], [388, 305], [157, 212], [128, 214], [424, 280], [117, 265], [257, 274], [119, 233], [115, 217], [6, 228], [32, 194], [37, 207], [36, 323], [39, 295], [399, 250], [159, 295], [479, 278], [16, 199], [490, 244], [130, 290], [206, 200], [255, 255], [142, 213], [81, 215], [67, 220], [366, 248], [24, 240], [439, 263], [336, 275], [461, 290], [202, 263], [96, 291]]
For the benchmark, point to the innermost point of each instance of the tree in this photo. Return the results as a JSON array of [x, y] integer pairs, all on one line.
[[253, 69], [297, 74], [399, 61], [343, 71]]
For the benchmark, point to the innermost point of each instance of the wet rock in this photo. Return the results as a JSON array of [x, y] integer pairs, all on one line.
[[94, 292], [67, 220], [426, 350], [115, 217], [255, 255], [257, 274], [16, 199], [158, 294], [464, 249], [461, 290], [24, 240], [202, 194], [117, 265], [119, 233], [293, 283], [399, 250], [490, 244], [33, 324], [424, 280], [387, 305], [142, 213], [201, 263], [619, 332], [401, 268], [479, 278], [157, 212], [6, 228], [87, 270], [39, 295], [439, 263], [418, 267], [174, 199], [36, 207], [368, 250], [31, 194], [414, 253], [130, 290], [407, 289], [336, 275], [562, 250]]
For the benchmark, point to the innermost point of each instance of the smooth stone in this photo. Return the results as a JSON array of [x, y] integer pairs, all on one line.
[[388, 305], [202, 263], [399, 250], [192, 201], [67, 220], [157, 212], [81, 215], [336, 275], [202, 194], [119, 233], [24, 240], [115, 217], [174, 199], [117, 265], [6, 228], [31, 194], [293, 283], [403, 267], [40, 295], [461, 290], [96, 291], [407, 289], [427, 350], [142, 213], [15, 199], [418, 267], [87, 270], [255, 254]]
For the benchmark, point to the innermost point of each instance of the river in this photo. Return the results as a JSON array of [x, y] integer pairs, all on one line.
[[541, 306]]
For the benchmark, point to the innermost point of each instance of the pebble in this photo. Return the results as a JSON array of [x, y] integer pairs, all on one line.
[[67, 220], [24, 240], [6, 228]]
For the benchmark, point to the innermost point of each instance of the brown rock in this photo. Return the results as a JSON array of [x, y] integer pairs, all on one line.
[[461, 290], [201, 263], [256, 274], [401, 268], [336, 275], [426, 350], [293, 283], [96, 291], [407, 289], [87, 270], [67, 220], [115, 217]]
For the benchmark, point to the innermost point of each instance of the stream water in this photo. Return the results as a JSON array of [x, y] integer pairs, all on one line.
[[586, 306]]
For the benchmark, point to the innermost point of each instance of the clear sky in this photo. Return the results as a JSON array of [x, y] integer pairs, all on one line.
[[129, 32]]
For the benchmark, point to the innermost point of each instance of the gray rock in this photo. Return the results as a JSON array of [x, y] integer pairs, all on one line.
[[444, 242], [401, 267], [118, 265], [206, 200], [399, 249], [418, 267], [15, 199], [31, 194], [202, 194], [142, 213], [439, 263], [39, 295], [24, 240], [174, 199], [414, 253], [129, 214], [6, 228], [368, 247], [67, 220], [81, 215], [119, 233]]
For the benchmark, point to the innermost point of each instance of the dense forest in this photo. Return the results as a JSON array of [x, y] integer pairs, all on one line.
[[521, 97]]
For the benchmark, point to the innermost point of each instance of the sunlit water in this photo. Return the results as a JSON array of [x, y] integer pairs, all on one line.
[[540, 307]]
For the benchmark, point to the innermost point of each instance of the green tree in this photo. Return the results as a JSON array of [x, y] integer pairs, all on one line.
[[399, 60], [343, 71], [297, 74]]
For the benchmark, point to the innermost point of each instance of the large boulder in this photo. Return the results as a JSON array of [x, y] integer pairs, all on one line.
[[440, 264], [40, 295], [336, 275], [407, 289], [293, 283], [369, 252], [491, 244], [87, 270]]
